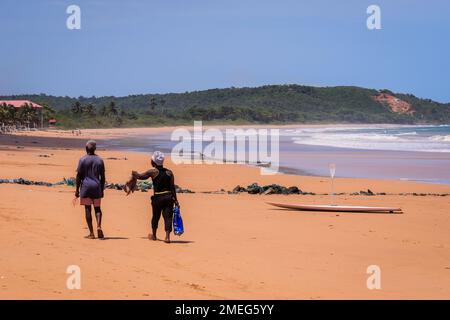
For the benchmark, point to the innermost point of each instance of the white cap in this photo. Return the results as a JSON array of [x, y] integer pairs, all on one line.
[[158, 158]]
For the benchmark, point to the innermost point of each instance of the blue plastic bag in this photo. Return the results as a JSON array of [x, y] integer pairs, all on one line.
[[178, 228]]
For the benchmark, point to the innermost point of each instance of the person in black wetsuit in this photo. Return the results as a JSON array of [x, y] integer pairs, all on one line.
[[164, 197]]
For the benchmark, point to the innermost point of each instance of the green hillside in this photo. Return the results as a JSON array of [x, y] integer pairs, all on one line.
[[266, 104]]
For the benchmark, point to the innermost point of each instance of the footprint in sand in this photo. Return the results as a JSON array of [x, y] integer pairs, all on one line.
[[196, 286]]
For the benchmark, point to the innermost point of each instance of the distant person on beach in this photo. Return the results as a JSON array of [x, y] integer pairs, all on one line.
[[164, 197], [90, 185]]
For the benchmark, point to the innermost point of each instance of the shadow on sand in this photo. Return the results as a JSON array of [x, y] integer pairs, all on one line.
[[181, 241], [171, 241]]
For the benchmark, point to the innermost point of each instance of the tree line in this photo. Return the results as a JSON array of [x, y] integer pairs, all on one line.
[[266, 104]]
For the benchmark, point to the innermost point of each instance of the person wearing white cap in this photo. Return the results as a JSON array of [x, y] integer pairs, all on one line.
[[164, 197], [158, 158]]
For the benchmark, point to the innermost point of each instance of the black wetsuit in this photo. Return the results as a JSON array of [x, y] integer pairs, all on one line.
[[163, 199]]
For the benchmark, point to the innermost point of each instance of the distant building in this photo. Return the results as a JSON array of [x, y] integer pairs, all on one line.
[[23, 103], [20, 103]]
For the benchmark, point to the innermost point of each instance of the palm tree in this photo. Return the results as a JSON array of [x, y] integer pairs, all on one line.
[[163, 103], [104, 111], [3, 112], [3, 116], [112, 109], [153, 103], [11, 115], [89, 109], [28, 115], [77, 108], [48, 112]]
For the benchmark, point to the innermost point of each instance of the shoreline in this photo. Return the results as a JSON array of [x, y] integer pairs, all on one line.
[[76, 143], [133, 130], [113, 139]]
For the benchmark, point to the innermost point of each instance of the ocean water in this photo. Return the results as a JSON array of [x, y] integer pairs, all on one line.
[[404, 138], [419, 153]]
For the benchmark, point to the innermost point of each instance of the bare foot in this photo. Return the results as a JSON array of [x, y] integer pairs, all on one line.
[[90, 236], [100, 234], [152, 236], [167, 240]]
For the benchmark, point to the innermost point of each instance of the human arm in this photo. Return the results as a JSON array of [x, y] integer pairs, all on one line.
[[78, 185], [130, 185], [79, 179], [173, 189], [144, 176], [102, 178]]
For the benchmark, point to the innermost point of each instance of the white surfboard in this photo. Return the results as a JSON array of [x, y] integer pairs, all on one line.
[[313, 207]]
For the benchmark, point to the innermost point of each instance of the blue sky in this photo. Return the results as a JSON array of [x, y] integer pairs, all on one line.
[[134, 46]]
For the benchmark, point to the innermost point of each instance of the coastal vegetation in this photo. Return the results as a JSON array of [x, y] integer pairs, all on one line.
[[277, 104], [26, 115]]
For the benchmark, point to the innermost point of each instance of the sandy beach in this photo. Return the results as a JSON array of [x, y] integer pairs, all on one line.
[[235, 245]]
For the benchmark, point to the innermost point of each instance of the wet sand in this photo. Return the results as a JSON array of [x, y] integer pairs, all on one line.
[[235, 246]]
